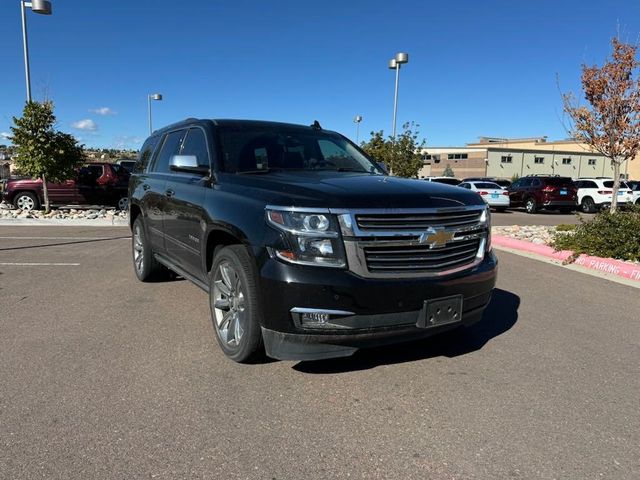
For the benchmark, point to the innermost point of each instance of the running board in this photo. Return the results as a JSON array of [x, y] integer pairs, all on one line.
[[172, 266]]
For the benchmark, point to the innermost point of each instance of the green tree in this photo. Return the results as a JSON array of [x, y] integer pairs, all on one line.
[[448, 172], [42, 151], [401, 156]]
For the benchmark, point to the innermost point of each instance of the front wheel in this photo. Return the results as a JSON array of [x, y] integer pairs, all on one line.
[[235, 311], [26, 201], [530, 205]]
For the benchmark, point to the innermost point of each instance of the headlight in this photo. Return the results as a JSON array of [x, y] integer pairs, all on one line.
[[486, 220], [313, 237]]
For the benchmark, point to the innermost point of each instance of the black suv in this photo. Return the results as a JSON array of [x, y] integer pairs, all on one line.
[[304, 244]]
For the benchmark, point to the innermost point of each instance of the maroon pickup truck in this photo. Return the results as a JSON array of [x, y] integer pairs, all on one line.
[[95, 184]]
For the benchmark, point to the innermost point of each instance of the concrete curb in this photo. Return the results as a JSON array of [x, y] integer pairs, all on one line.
[[53, 222], [630, 272]]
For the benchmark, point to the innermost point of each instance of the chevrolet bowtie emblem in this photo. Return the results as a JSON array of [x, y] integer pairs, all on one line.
[[439, 238]]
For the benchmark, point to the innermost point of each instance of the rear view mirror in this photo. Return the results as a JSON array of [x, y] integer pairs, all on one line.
[[383, 167], [187, 163]]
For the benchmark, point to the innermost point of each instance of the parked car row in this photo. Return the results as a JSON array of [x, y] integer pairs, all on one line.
[[548, 192], [94, 184]]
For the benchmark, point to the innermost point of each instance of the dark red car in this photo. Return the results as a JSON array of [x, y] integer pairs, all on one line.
[[95, 184], [548, 192]]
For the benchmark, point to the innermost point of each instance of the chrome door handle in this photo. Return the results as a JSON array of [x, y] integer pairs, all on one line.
[[169, 193], [146, 186]]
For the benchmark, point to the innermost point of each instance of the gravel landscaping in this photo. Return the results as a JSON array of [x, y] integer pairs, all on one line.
[[108, 214], [538, 234]]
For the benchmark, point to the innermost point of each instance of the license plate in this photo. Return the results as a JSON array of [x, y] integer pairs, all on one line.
[[620, 193], [563, 192], [440, 311], [495, 195]]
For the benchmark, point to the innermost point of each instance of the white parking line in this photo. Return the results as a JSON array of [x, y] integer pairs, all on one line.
[[35, 264]]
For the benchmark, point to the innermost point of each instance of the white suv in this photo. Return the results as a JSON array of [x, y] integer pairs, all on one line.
[[596, 193]]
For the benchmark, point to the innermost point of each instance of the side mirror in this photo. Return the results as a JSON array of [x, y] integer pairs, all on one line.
[[188, 164], [383, 167]]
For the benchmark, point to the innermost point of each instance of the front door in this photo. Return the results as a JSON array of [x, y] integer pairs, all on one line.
[[184, 215]]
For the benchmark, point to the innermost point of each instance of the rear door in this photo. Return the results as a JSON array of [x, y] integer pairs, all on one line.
[[184, 212], [90, 185]]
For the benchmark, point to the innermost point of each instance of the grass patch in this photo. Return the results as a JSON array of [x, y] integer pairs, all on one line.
[[608, 235]]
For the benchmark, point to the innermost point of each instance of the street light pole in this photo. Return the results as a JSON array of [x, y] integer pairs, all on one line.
[[42, 7], [395, 64], [357, 120], [153, 96]]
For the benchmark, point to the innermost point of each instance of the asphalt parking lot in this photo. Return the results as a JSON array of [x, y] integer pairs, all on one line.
[[106, 377], [520, 217]]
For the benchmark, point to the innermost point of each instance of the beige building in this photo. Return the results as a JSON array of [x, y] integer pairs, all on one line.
[[507, 158]]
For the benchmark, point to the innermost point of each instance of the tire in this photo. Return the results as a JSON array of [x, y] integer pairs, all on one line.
[[123, 203], [530, 205], [144, 263], [234, 303], [588, 205], [26, 201]]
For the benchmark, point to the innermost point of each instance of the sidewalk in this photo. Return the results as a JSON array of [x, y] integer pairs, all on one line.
[[609, 268]]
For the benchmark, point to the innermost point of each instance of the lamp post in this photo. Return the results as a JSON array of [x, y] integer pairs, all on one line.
[[357, 119], [43, 7], [153, 96], [395, 64]]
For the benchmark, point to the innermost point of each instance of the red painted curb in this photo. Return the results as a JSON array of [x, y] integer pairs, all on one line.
[[630, 271]]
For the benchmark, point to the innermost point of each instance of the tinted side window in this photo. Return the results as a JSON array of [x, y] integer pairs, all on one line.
[[196, 144], [170, 147], [525, 182], [146, 152]]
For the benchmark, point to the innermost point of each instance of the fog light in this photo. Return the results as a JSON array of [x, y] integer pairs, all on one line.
[[319, 318], [314, 318]]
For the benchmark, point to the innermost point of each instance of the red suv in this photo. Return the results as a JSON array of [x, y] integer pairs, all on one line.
[[95, 184], [544, 192]]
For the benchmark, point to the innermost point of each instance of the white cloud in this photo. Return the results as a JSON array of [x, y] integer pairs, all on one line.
[[86, 124], [5, 135], [125, 142], [103, 111]]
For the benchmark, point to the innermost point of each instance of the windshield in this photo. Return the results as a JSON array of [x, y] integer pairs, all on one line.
[[609, 184], [488, 185], [558, 181], [448, 181], [261, 149]]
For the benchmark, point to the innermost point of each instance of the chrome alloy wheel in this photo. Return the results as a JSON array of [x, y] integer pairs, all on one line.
[[138, 249], [229, 305], [25, 202]]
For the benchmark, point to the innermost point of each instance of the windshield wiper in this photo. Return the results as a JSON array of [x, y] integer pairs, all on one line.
[[262, 170]]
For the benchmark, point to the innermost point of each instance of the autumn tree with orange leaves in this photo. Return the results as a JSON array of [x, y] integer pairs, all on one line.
[[610, 124]]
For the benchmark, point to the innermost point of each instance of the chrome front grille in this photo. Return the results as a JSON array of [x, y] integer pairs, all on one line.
[[414, 242], [417, 221], [421, 258]]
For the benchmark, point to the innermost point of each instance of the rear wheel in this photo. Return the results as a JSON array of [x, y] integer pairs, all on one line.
[[530, 205], [123, 203], [235, 311], [144, 264], [26, 201], [588, 205]]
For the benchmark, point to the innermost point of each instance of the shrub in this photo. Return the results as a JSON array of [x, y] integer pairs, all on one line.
[[609, 235], [563, 227]]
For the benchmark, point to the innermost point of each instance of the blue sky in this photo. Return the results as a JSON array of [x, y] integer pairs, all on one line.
[[476, 68]]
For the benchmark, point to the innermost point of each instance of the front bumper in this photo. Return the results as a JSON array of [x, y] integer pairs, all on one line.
[[379, 311]]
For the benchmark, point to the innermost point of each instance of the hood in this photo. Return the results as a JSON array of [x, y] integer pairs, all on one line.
[[331, 189]]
